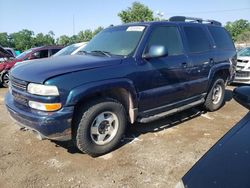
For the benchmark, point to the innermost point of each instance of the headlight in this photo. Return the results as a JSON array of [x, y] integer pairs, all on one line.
[[48, 107], [44, 90]]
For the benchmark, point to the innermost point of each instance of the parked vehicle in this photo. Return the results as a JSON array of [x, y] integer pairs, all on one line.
[[226, 164], [243, 67], [5, 55], [11, 51], [33, 53], [136, 72], [71, 49]]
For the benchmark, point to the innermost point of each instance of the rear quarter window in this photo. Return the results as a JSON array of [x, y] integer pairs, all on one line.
[[221, 38], [197, 39]]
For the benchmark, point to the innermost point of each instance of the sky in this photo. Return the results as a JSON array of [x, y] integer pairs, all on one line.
[[58, 15]]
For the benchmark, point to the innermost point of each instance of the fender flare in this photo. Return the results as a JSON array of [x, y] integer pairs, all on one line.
[[84, 90], [216, 68]]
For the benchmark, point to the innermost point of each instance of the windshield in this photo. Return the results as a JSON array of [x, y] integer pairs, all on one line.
[[22, 55], [244, 52], [67, 50], [121, 40]]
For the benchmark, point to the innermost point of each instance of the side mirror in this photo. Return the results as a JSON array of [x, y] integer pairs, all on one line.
[[156, 51], [242, 96]]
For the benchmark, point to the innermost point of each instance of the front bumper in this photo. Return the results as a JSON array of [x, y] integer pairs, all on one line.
[[51, 125]]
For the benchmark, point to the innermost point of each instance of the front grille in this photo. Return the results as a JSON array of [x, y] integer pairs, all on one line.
[[242, 61], [242, 74], [240, 67], [19, 98], [18, 84]]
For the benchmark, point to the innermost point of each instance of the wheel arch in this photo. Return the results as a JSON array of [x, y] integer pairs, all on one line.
[[120, 90]]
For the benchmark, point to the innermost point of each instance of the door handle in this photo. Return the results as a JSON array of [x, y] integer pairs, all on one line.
[[184, 64], [211, 60]]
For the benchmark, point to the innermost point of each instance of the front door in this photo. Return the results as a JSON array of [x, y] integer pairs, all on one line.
[[164, 80]]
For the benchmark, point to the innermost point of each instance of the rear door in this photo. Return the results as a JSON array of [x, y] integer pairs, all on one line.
[[201, 57]]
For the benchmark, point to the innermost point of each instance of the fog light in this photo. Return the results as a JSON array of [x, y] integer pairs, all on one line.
[[48, 107]]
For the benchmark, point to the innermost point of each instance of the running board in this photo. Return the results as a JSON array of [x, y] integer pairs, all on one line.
[[170, 112]]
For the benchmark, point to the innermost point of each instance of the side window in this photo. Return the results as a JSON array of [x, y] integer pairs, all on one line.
[[197, 39], [167, 36], [221, 38], [53, 51], [44, 53]]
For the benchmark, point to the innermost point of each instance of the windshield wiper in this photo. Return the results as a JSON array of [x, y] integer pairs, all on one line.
[[82, 52], [108, 54]]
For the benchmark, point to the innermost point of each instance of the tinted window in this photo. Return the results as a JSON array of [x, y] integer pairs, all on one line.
[[40, 54], [167, 37], [197, 39], [53, 51], [221, 38]]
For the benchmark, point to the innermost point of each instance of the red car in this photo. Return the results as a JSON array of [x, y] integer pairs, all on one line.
[[33, 53]]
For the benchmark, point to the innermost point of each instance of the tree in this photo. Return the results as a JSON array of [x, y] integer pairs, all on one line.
[[64, 40], [4, 39], [237, 27], [244, 37], [136, 13], [96, 31], [42, 39], [85, 36], [23, 40]]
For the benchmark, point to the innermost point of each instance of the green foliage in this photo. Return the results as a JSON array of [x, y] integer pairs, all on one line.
[[64, 40], [85, 36], [237, 27], [244, 37], [23, 40], [136, 13], [4, 41], [42, 39]]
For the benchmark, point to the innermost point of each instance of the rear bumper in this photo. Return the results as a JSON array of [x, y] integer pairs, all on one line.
[[52, 125]]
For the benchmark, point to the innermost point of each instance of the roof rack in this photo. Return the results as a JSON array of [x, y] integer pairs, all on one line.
[[192, 19]]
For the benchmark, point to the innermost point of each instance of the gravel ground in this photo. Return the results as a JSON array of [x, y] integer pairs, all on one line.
[[157, 154]]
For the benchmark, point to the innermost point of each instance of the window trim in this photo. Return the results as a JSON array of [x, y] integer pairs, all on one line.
[[186, 39], [179, 37]]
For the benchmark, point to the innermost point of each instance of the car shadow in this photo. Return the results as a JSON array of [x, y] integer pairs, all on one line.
[[228, 95], [134, 131]]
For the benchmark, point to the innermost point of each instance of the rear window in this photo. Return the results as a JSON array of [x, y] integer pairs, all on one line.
[[197, 39], [221, 38]]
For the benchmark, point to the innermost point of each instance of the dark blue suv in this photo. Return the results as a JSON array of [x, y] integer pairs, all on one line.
[[130, 73]]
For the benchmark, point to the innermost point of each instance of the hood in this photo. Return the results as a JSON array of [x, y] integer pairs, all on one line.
[[4, 53], [244, 57], [40, 70]]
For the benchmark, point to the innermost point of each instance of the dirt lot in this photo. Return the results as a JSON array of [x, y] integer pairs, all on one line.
[[151, 155]]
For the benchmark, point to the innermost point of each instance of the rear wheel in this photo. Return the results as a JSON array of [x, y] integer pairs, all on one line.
[[215, 97], [101, 127], [5, 79]]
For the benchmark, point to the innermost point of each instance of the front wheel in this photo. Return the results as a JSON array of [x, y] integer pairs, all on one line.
[[215, 97], [5, 79], [101, 127]]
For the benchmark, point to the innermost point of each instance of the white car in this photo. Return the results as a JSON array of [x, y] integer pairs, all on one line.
[[243, 67], [71, 49]]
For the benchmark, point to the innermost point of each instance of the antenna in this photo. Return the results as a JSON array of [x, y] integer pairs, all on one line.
[[73, 24]]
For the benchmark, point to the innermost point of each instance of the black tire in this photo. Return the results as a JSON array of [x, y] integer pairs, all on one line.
[[86, 117], [211, 104], [5, 80]]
